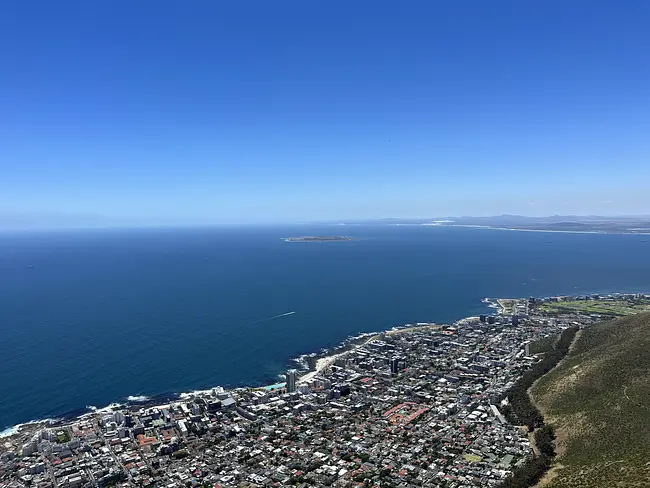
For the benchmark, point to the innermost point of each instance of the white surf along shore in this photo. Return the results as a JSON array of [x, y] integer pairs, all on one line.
[[327, 361]]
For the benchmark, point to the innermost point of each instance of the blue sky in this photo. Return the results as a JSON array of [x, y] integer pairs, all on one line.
[[255, 111]]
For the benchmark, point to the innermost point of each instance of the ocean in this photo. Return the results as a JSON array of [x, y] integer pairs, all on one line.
[[93, 317]]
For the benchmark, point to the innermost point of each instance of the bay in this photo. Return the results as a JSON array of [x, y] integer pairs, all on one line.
[[92, 317]]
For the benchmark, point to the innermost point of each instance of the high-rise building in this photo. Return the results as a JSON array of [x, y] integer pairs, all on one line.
[[291, 380], [394, 365]]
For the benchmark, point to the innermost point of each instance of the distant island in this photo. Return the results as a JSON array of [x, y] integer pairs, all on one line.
[[317, 238]]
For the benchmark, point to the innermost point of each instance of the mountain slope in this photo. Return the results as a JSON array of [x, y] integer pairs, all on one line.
[[598, 399]]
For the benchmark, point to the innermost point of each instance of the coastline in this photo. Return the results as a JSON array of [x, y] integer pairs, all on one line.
[[551, 231], [328, 360], [455, 381], [320, 362]]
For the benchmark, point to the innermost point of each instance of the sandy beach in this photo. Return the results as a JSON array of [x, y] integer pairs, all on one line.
[[551, 231]]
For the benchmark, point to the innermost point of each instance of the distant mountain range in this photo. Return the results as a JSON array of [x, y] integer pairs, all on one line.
[[625, 224], [557, 223]]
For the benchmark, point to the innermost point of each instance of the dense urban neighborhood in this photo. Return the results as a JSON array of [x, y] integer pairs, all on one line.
[[419, 405]]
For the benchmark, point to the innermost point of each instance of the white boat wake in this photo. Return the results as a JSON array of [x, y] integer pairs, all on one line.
[[272, 318]]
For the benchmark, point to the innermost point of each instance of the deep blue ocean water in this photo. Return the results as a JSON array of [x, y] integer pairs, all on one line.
[[91, 317]]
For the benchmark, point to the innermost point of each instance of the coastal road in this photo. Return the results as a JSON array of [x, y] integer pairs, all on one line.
[[50, 471]]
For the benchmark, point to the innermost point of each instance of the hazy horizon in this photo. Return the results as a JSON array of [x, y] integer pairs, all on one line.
[[159, 113], [81, 221]]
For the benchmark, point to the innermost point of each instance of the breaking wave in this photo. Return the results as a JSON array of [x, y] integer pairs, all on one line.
[[138, 398]]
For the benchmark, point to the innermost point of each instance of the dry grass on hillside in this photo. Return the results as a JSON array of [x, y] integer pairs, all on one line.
[[598, 399]]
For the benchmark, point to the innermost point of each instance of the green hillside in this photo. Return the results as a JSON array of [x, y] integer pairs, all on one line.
[[598, 399]]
